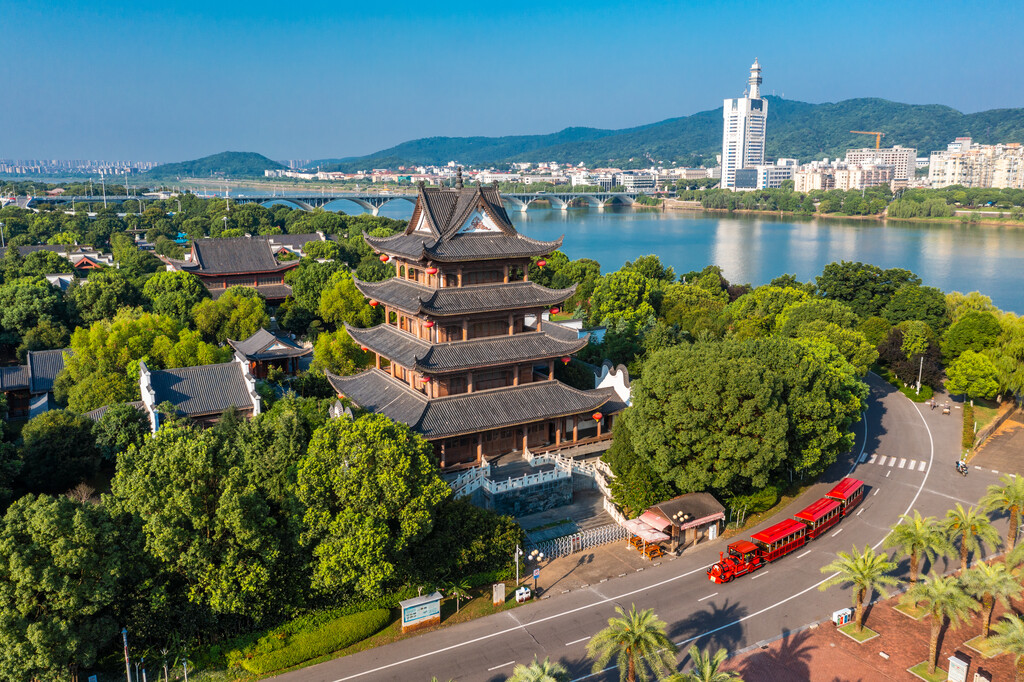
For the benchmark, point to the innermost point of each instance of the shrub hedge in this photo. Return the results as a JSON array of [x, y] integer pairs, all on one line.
[[335, 635], [968, 433]]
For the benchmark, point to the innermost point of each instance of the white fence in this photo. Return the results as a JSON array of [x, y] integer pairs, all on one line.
[[581, 541]]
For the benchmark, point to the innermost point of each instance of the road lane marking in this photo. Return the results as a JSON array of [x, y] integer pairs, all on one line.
[[863, 458], [876, 491], [804, 554], [921, 467], [873, 458], [903, 462], [861, 509], [503, 665], [887, 474], [977, 467], [708, 597], [760, 575], [837, 532], [577, 641], [892, 460]]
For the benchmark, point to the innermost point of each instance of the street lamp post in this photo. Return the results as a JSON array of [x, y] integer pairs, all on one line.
[[678, 519], [518, 553], [536, 556]]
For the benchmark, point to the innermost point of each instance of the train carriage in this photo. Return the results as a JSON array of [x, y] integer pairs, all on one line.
[[848, 492], [820, 516], [780, 539]]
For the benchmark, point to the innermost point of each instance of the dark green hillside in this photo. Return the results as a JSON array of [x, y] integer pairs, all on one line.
[[230, 164], [795, 129]]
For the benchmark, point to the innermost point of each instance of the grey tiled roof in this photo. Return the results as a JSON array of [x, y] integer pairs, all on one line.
[[14, 378], [232, 256], [206, 389], [470, 412], [261, 346], [416, 298], [98, 413], [408, 351], [43, 368], [445, 211]]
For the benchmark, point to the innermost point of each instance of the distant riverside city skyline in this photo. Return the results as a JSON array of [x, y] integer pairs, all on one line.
[[177, 82]]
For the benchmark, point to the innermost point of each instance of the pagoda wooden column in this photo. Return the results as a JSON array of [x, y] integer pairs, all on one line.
[[479, 446], [391, 369], [511, 324], [412, 380], [515, 375], [460, 275], [469, 382], [378, 360], [506, 273], [559, 424], [599, 428], [465, 328], [551, 369], [525, 434], [575, 427], [443, 454]]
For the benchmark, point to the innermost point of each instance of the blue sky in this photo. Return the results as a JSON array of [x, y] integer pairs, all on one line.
[[177, 80]]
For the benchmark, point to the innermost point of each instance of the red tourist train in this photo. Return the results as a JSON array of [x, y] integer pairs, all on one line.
[[782, 538]]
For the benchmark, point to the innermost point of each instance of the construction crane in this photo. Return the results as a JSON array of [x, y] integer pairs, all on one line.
[[878, 136]]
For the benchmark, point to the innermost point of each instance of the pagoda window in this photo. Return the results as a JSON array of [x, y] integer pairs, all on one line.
[[452, 386], [401, 271], [496, 378], [482, 277], [486, 328], [270, 279], [452, 332], [515, 273]]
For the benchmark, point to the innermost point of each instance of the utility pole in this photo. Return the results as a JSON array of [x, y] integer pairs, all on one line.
[[127, 663], [920, 371]]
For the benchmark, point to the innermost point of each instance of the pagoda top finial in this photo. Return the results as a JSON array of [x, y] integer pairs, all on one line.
[[458, 178]]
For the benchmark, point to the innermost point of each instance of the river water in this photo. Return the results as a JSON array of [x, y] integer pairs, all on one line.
[[757, 248]]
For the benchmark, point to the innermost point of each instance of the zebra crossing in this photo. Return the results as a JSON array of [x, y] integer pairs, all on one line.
[[896, 462]]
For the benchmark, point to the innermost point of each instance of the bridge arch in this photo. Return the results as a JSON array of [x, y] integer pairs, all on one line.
[[338, 205], [291, 203]]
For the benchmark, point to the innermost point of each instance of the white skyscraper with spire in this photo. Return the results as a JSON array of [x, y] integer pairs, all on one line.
[[744, 132]]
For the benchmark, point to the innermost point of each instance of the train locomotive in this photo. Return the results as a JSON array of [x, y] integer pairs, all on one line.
[[746, 556]]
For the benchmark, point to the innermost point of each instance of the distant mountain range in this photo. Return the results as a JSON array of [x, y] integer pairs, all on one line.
[[230, 164], [795, 130]]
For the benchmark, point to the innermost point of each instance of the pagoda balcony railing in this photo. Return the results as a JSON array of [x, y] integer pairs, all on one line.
[[568, 444]]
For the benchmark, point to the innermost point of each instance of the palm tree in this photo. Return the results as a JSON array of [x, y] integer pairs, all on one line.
[[638, 643], [942, 597], [705, 668], [1009, 639], [540, 671], [918, 538], [972, 528], [990, 583], [1008, 497], [866, 571], [458, 589]]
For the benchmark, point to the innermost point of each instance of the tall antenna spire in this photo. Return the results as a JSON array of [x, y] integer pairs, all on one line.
[[755, 80]]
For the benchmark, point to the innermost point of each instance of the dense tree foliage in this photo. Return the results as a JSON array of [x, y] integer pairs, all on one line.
[[58, 451], [175, 294], [866, 288], [236, 314]]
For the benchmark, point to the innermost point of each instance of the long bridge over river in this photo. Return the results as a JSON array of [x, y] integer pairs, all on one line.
[[370, 201]]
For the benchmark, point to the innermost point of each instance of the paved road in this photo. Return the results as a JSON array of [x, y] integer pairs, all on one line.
[[904, 453]]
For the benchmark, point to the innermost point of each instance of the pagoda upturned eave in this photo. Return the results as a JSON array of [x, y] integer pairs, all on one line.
[[461, 247], [468, 413], [436, 358], [417, 299]]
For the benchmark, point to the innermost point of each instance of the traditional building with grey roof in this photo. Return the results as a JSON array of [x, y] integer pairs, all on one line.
[[29, 387], [241, 261], [467, 354], [264, 350], [202, 393]]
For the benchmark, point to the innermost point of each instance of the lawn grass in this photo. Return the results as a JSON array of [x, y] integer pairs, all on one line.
[[911, 611], [982, 645], [850, 630], [909, 391], [984, 413], [921, 670]]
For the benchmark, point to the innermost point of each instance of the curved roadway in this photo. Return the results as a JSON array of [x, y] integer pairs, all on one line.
[[904, 453]]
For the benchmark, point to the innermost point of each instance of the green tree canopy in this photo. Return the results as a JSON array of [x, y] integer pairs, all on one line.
[[916, 302], [850, 343], [58, 451], [866, 288], [370, 488], [121, 426], [103, 367], [341, 302], [66, 567], [325, 250], [175, 294], [974, 375], [237, 314], [39, 263], [103, 294], [24, 304], [975, 330], [796, 315]]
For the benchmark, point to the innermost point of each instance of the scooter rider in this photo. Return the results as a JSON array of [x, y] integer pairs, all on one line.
[[961, 467]]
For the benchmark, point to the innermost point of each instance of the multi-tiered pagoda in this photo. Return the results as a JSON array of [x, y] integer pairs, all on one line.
[[465, 357]]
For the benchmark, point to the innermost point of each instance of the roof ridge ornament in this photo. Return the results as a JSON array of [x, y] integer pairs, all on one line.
[[458, 178]]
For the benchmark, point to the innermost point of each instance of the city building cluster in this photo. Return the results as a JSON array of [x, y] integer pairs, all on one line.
[[73, 167], [978, 165]]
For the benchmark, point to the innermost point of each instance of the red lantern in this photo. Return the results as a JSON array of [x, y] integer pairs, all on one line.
[[565, 360], [431, 271], [384, 258], [597, 416], [425, 380], [374, 304], [363, 348], [554, 311], [428, 324], [541, 263]]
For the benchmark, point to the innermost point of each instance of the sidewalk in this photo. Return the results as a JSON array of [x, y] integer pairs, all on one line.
[[823, 654]]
